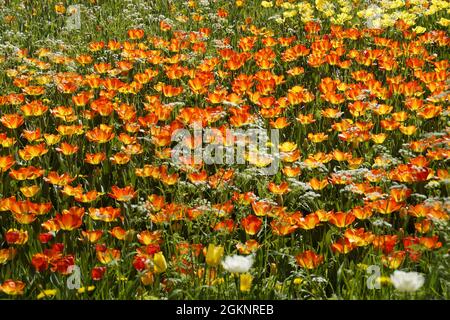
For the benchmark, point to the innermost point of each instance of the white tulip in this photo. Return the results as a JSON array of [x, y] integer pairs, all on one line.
[[407, 281], [238, 264]]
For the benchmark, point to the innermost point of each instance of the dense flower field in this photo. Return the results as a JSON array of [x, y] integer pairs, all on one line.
[[353, 97]]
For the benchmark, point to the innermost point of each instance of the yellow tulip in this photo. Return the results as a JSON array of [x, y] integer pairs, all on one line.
[[30, 191], [214, 255], [217, 281], [47, 293], [160, 264], [290, 13], [267, 4], [444, 22], [84, 289], [384, 280], [245, 281], [419, 29], [59, 8]]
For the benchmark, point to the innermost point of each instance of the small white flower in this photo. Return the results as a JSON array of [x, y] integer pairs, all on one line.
[[238, 264], [407, 281]]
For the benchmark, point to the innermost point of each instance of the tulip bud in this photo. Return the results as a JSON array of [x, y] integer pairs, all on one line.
[[160, 264], [214, 255]]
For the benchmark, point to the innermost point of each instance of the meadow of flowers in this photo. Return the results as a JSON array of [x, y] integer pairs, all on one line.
[[93, 204]]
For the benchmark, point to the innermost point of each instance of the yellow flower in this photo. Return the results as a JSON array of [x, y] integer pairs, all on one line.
[[84, 289], [384, 280], [346, 9], [59, 8], [160, 264], [307, 18], [444, 22], [245, 281], [273, 269], [387, 21], [47, 293], [217, 281], [298, 281], [147, 278], [239, 3], [419, 29], [287, 5], [267, 4], [214, 255], [441, 4], [329, 12], [180, 18], [30, 191], [362, 266], [431, 10], [290, 13]]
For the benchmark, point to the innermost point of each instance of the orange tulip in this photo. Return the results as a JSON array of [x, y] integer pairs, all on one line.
[[67, 149], [106, 214], [423, 226], [309, 259], [70, 219], [198, 177], [386, 206], [135, 34], [35, 108], [61, 180], [400, 194], [281, 227], [12, 288], [359, 236], [147, 237], [317, 184], [341, 219], [95, 158], [119, 233], [385, 243], [362, 213], [278, 189], [226, 225], [343, 246], [7, 254], [291, 172], [248, 247], [430, 242], [120, 158], [29, 152], [100, 134], [12, 121], [6, 162], [251, 224], [92, 235], [122, 194], [394, 260], [308, 222], [108, 255], [32, 135], [18, 237]]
